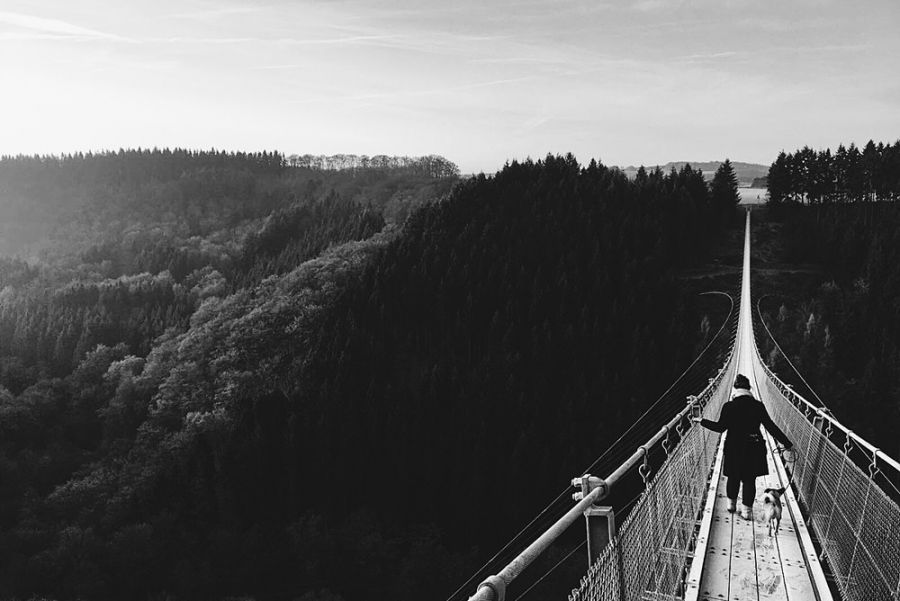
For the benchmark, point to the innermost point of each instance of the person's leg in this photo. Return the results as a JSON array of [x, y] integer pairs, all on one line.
[[747, 495], [749, 490], [731, 489]]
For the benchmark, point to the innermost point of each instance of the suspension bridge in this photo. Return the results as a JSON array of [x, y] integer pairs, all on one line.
[[840, 531]]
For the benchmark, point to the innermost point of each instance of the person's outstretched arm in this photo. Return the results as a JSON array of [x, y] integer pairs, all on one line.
[[722, 424], [773, 429]]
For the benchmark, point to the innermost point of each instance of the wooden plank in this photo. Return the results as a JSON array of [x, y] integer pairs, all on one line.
[[803, 575], [696, 571], [717, 559], [769, 574], [743, 585]]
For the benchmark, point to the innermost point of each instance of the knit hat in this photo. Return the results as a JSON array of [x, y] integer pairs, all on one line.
[[741, 381]]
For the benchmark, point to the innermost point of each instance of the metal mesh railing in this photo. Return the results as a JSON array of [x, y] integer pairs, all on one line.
[[650, 555], [856, 521]]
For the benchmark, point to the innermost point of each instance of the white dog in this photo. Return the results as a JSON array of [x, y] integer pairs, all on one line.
[[772, 507]]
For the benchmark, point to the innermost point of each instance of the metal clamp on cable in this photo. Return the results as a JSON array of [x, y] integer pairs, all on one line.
[[588, 484], [696, 407]]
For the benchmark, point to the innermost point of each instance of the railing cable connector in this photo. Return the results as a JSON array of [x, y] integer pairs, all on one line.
[[644, 469], [873, 466]]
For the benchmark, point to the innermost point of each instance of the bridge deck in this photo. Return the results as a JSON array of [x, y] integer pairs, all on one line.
[[741, 562]]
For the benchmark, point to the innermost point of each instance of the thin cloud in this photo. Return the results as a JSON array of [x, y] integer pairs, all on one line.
[[356, 39], [204, 40], [646, 6], [349, 40], [416, 93], [712, 55], [214, 13], [56, 27], [17, 36], [288, 67], [517, 60]]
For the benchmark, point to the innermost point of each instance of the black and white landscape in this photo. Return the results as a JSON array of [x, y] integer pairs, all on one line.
[[325, 301]]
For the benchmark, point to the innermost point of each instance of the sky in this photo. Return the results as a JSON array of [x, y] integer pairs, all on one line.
[[481, 82]]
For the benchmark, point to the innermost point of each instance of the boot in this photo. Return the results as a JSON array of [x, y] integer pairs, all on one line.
[[746, 512], [731, 503]]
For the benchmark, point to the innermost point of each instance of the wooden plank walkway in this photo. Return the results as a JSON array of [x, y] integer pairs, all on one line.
[[741, 562]]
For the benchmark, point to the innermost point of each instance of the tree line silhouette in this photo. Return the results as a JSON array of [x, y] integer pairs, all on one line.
[[430, 165], [847, 175]]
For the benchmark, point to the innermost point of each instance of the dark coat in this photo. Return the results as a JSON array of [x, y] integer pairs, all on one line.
[[745, 449]]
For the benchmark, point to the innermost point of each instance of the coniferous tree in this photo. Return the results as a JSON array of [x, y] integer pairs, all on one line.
[[724, 190], [778, 179]]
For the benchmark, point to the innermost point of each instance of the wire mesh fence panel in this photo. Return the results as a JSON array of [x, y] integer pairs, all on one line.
[[856, 522], [651, 553], [603, 578]]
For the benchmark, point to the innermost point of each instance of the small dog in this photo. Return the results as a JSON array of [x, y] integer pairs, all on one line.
[[772, 507]]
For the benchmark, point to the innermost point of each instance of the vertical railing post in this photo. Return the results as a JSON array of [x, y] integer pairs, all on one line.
[[600, 522], [600, 525]]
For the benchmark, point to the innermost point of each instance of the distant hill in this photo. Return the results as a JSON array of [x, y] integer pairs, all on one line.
[[746, 172]]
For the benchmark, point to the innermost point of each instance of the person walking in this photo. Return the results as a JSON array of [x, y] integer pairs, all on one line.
[[745, 449]]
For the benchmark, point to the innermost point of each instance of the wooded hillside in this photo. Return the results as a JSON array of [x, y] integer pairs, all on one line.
[[264, 407]]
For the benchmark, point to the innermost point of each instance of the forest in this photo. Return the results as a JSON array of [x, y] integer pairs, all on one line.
[[846, 175], [225, 375], [841, 328]]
